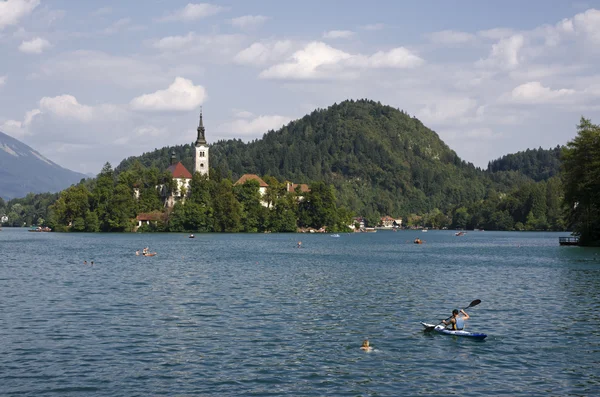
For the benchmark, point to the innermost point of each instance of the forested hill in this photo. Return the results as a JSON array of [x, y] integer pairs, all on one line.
[[381, 160], [538, 164]]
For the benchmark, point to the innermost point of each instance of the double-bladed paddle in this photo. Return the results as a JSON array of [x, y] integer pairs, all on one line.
[[474, 303]]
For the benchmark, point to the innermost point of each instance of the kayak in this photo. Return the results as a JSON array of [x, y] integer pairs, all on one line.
[[442, 330]]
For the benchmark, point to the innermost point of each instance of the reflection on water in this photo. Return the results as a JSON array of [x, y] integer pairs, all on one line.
[[254, 315]]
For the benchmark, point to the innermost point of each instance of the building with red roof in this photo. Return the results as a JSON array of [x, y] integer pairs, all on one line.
[[262, 185], [182, 177]]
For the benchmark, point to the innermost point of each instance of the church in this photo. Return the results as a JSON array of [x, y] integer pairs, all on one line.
[[181, 175]]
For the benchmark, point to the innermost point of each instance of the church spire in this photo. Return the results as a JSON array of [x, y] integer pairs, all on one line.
[[201, 140]]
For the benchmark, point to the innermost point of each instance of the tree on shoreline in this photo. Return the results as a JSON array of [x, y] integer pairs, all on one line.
[[581, 179]]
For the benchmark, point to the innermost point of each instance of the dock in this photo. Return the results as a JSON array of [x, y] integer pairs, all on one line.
[[568, 240]]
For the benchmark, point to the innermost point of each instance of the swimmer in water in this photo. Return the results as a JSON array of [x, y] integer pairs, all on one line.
[[365, 346], [299, 244]]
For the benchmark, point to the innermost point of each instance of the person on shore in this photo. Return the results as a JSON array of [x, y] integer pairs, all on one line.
[[456, 322], [365, 346]]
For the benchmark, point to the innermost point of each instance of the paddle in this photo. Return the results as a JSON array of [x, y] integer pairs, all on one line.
[[474, 303]]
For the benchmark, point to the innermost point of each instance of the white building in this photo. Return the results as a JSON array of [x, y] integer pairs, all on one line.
[[201, 158]]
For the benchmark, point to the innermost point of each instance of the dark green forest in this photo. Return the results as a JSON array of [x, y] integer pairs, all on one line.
[[376, 160], [537, 164]]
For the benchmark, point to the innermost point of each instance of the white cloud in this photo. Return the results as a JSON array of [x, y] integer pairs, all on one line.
[[30, 115], [496, 33], [242, 114], [34, 46], [121, 25], [338, 34], [448, 109], [586, 24], [13, 128], [318, 60], [12, 11], [192, 42], [102, 68], [193, 12], [373, 26], [171, 43], [263, 53], [182, 95], [143, 131], [535, 93], [66, 106], [505, 53], [248, 22], [395, 58], [19, 129], [544, 71], [307, 63], [478, 134], [450, 37], [254, 127]]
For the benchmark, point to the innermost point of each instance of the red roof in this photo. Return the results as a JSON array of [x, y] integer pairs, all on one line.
[[303, 187], [150, 216], [179, 171], [247, 177]]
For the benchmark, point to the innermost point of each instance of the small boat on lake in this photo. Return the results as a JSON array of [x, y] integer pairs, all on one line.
[[335, 235], [442, 330], [40, 229], [149, 254]]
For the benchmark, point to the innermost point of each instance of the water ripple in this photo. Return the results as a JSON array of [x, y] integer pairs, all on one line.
[[250, 315]]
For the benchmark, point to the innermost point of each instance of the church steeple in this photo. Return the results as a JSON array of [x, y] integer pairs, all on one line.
[[201, 149], [201, 140]]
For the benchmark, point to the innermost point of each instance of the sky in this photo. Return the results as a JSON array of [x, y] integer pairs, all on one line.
[[90, 82]]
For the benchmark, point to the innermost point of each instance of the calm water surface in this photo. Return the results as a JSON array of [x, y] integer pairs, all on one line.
[[252, 315]]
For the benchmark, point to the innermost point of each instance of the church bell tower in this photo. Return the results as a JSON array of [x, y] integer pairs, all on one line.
[[201, 160]]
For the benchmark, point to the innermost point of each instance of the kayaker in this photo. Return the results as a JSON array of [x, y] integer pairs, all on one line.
[[457, 323]]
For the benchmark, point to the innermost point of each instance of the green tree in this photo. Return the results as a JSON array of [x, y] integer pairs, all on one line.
[[120, 211], [91, 222], [227, 210], [460, 218], [248, 195], [581, 179]]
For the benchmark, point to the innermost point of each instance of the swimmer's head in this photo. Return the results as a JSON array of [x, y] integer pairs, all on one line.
[[365, 343]]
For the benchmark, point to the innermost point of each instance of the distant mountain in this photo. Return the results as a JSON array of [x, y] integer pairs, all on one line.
[[23, 170]]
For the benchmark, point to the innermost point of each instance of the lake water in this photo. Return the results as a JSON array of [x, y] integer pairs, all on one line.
[[252, 315]]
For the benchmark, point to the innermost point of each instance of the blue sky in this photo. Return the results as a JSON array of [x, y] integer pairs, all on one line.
[[85, 82]]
